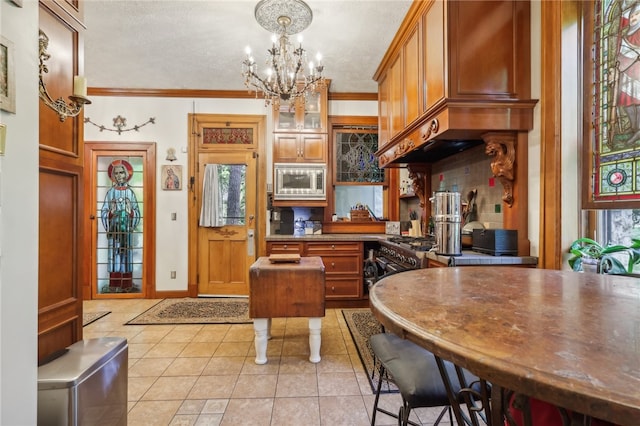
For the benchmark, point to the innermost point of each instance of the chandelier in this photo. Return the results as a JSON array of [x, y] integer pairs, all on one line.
[[285, 77]]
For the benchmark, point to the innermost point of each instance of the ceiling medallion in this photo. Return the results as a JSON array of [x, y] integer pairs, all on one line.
[[268, 13]]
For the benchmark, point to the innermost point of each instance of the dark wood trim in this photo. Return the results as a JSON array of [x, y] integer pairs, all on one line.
[[201, 93], [550, 256], [178, 294], [353, 96]]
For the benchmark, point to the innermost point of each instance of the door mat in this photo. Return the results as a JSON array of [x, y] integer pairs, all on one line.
[[362, 324], [219, 310], [89, 317]]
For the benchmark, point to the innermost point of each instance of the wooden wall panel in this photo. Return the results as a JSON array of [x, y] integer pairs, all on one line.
[[58, 236], [59, 137], [60, 261]]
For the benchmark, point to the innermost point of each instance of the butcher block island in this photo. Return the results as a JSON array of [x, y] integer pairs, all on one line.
[[284, 289]]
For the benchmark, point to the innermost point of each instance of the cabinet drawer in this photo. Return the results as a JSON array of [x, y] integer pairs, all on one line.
[[342, 264], [313, 249], [339, 288], [284, 247]]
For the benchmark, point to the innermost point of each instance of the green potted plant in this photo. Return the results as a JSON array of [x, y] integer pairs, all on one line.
[[588, 254]]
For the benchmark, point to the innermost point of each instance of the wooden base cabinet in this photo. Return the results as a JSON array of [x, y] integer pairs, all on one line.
[[343, 262]]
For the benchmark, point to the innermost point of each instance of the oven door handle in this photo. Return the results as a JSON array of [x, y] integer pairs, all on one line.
[[392, 268]]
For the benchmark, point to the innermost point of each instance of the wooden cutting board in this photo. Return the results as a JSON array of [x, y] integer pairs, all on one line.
[[284, 258]]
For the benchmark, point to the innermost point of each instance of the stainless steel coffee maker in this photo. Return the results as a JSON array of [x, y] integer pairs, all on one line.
[[447, 219]]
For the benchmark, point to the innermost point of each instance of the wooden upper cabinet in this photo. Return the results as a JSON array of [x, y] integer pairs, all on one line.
[[396, 97], [300, 128], [306, 114], [455, 70], [412, 76], [384, 105], [433, 56], [299, 148]]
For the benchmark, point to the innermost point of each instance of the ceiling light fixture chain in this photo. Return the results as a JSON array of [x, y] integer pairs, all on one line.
[[285, 78]]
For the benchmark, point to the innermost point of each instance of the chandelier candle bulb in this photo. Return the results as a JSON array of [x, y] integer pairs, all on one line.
[[80, 86]]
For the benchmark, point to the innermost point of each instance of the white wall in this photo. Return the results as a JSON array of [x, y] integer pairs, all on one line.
[[19, 224], [534, 135], [171, 131]]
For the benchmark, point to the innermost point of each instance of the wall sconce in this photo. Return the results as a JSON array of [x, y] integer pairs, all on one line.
[[79, 97]]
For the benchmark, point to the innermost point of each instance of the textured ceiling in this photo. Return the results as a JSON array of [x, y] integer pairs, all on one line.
[[181, 44]]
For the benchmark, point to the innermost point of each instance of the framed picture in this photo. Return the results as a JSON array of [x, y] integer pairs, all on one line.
[[7, 76], [171, 177]]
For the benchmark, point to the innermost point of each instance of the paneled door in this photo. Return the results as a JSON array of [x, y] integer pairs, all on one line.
[[226, 226], [225, 170]]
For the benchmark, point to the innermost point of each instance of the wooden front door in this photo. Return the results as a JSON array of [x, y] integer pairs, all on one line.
[[223, 224], [226, 247]]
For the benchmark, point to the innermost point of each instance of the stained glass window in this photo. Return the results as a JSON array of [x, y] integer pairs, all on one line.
[[355, 157], [120, 211], [616, 156], [227, 136]]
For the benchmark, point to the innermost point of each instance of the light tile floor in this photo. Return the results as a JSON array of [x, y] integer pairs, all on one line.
[[206, 375]]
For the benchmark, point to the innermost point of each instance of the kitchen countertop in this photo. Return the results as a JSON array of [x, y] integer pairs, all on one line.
[[470, 257], [330, 237]]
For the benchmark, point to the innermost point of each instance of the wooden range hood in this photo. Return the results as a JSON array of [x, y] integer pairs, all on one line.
[[457, 75], [455, 71]]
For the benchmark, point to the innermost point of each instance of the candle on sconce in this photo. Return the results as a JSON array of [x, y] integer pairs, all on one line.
[[80, 86]]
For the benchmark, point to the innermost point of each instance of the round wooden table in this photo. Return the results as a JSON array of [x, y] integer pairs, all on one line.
[[571, 339]]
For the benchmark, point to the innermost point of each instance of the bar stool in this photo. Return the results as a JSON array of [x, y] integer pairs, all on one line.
[[415, 372]]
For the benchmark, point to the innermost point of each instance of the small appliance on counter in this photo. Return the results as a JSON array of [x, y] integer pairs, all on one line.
[[447, 218], [496, 242]]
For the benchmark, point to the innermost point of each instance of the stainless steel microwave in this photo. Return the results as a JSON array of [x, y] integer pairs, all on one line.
[[300, 181]]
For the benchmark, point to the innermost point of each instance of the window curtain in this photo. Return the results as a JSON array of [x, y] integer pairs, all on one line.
[[211, 200]]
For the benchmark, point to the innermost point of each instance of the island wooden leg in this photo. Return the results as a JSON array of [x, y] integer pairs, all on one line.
[[261, 328], [315, 326]]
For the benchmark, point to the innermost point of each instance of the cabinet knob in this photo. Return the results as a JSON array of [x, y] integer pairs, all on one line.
[[333, 264], [285, 246], [333, 246], [333, 289]]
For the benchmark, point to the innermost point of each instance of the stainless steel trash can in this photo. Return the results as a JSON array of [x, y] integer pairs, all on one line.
[[85, 386]]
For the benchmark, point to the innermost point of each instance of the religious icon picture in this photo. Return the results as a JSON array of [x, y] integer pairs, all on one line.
[[171, 177]]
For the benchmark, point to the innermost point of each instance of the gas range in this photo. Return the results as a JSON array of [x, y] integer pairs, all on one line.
[[405, 253], [414, 243]]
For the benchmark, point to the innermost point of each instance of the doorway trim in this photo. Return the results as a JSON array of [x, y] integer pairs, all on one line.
[[148, 151]]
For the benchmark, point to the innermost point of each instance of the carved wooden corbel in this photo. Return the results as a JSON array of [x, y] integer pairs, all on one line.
[[502, 146], [418, 175]]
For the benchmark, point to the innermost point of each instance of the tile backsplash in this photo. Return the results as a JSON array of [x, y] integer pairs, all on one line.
[[470, 170]]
